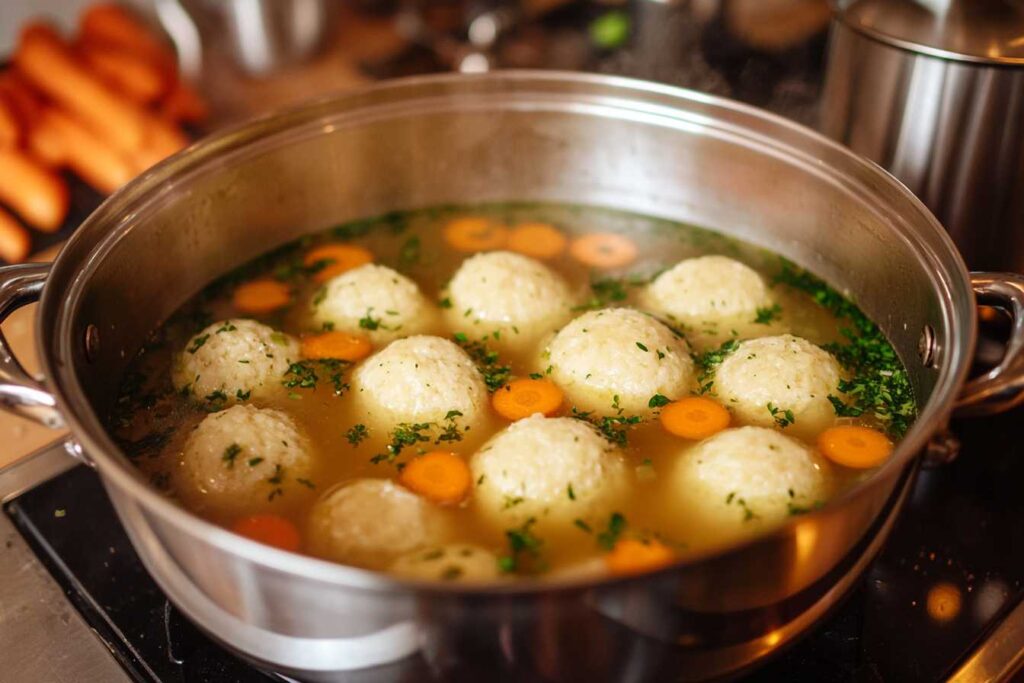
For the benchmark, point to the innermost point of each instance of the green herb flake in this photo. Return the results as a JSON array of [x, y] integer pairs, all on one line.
[[767, 314], [197, 343], [616, 525], [230, 453], [658, 401], [357, 434]]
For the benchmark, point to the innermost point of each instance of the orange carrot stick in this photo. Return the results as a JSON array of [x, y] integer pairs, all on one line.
[[36, 194], [85, 153], [15, 242], [184, 104], [45, 60], [525, 397], [441, 477], [10, 127], [110, 24], [137, 78]]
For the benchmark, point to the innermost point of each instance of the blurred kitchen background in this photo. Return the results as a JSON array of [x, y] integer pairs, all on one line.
[[933, 90]]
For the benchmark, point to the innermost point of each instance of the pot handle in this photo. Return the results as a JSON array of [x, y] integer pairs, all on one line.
[[20, 392], [1002, 387]]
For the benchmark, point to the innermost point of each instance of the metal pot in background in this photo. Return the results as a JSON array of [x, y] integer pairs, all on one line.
[[934, 91]]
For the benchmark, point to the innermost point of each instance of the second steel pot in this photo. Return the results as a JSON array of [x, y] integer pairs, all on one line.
[[510, 136]]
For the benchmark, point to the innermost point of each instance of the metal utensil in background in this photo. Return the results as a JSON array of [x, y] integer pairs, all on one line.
[[934, 91], [262, 35]]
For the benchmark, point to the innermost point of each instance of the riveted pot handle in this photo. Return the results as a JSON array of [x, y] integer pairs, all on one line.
[[1002, 387], [20, 392]]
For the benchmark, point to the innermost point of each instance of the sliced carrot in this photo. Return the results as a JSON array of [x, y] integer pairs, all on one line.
[[269, 530], [338, 257], [853, 446], [539, 240], [472, 233], [694, 417], [441, 477], [340, 345], [261, 296], [524, 397], [603, 250], [630, 556]]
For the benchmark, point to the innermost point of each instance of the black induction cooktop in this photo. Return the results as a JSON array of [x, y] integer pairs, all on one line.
[[948, 575]]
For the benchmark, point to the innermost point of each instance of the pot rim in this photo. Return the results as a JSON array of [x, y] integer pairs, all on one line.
[[113, 218]]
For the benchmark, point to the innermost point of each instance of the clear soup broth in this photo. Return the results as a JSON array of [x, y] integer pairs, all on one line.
[[662, 391]]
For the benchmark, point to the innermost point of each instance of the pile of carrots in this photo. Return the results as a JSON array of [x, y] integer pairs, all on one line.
[[105, 105]]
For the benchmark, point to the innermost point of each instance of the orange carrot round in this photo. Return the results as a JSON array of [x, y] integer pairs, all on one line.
[[471, 234], [338, 257], [441, 477], [603, 250], [270, 530], [852, 446], [261, 296], [630, 556], [539, 240], [524, 397], [340, 345], [694, 418]]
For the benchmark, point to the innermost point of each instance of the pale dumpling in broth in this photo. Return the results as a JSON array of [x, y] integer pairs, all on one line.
[[417, 380], [454, 562], [244, 460], [614, 360], [234, 360], [783, 381], [376, 301], [745, 477], [371, 523], [553, 470], [513, 299]]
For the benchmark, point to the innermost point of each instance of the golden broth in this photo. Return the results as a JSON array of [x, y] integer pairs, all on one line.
[[153, 421]]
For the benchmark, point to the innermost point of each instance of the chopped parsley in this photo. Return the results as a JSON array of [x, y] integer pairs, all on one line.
[[357, 434], [580, 524], [275, 480], [410, 251], [243, 395], [844, 409], [445, 303], [641, 347], [880, 384], [303, 375], [569, 492], [230, 453], [368, 322], [709, 361], [487, 361], [658, 401], [766, 314], [748, 514], [198, 342], [252, 462], [226, 327], [616, 525], [408, 434], [783, 418], [612, 427], [524, 549]]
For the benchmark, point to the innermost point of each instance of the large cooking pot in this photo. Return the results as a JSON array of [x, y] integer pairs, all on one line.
[[512, 136]]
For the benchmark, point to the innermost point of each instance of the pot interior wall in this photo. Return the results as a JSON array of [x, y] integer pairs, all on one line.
[[714, 164]]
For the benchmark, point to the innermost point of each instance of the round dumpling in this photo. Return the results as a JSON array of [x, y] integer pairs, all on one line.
[[513, 297], [233, 360], [245, 460], [618, 352], [782, 380], [748, 474], [455, 562], [371, 523], [374, 300], [554, 470], [708, 288], [417, 380]]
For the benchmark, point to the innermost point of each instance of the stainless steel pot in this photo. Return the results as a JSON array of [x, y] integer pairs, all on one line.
[[534, 136], [934, 92]]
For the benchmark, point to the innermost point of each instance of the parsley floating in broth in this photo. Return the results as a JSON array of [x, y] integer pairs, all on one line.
[[880, 385], [409, 253], [409, 434], [304, 374], [357, 434], [658, 401], [766, 314], [524, 549], [616, 525], [488, 362], [612, 427]]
